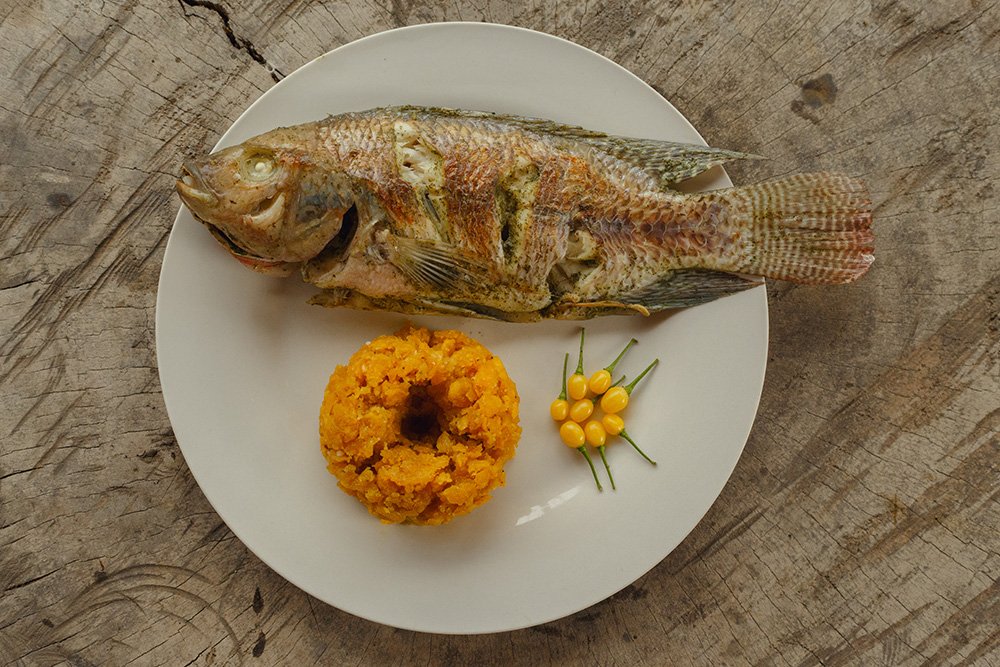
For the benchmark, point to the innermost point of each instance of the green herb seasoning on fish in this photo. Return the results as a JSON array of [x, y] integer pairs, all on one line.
[[421, 210]]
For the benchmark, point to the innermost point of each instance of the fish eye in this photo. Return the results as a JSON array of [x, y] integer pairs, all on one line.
[[258, 166]]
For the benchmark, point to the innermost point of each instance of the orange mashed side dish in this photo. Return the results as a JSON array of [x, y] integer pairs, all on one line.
[[418, 426]]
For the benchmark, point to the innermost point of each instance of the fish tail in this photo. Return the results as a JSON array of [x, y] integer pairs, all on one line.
[[809, 228]]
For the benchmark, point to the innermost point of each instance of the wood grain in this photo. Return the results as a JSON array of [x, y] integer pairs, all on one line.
[[862, 525]]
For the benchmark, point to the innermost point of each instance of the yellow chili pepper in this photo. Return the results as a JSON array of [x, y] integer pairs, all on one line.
[[581, 410], [598, 437], [572, 435], [577, 384], [613, 424], [616, 398], [601, 380], [560, 407], [595, 433]]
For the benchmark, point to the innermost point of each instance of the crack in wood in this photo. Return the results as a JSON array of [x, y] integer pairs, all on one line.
[[30, 581], [237, 42]]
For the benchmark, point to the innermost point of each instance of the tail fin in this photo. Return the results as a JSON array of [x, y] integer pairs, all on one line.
[[809, 228]]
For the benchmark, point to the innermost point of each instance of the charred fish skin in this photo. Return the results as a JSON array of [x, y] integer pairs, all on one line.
[[426, 210]]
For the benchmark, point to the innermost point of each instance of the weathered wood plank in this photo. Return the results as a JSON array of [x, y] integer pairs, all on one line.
[[862, 525]]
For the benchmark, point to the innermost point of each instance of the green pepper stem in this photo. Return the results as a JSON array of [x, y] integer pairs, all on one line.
[[631, 385], [583, 450], [618, 381], [579, 365], [562, 394], [632, 442], [611, 368], [607, 467]]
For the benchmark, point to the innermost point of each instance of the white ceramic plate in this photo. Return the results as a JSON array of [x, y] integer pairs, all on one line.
[[244, 361]]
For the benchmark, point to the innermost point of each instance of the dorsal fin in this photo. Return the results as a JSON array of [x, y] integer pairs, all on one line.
[[666, 161]]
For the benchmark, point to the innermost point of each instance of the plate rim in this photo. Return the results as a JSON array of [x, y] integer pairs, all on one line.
[[275, 89]]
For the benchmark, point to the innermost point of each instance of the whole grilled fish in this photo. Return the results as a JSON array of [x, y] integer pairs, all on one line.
[[422, 210]]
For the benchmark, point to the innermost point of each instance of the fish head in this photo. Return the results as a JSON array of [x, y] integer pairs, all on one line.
[[267, 201]]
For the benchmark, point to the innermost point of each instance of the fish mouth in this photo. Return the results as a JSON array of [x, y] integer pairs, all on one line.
[[272, 267], [269, 211], [192, 187], [227, 241]]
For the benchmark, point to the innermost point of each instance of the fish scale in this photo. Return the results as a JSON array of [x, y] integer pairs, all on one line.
[[429, 210]]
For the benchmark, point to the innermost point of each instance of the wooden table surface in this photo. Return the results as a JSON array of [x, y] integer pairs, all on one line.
[[862, 524]]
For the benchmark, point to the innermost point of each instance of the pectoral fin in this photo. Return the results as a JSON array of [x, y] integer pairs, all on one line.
[[688, 287], [438, 265]]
